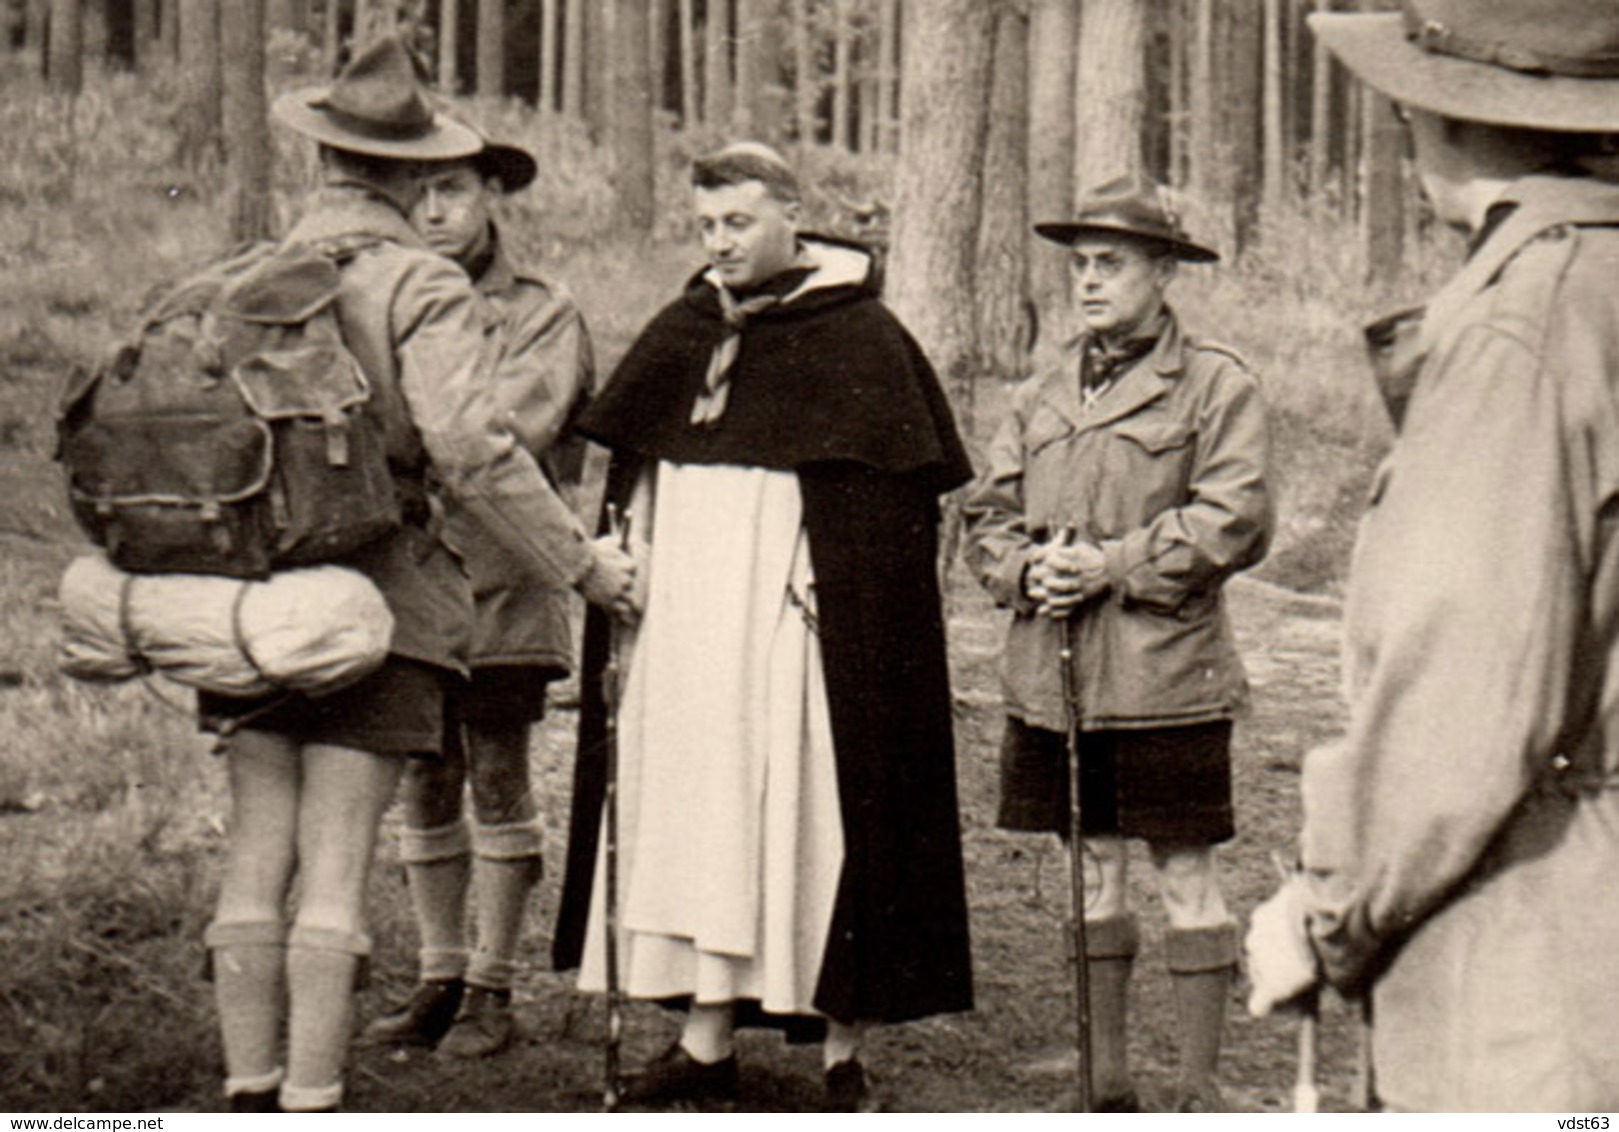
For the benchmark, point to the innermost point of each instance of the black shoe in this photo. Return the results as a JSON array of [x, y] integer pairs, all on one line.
[[264, 1101], [1126, 1101], [674, 1075], [422, 1019], [846, 1089]]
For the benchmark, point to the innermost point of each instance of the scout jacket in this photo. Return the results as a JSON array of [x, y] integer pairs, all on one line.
[[1166, 473], [540, 383], [1463, 841], [412, 320]]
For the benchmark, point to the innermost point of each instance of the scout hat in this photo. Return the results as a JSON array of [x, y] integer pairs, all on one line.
[[1129, 206], [1541, 64], [377, 106], [514, 165]]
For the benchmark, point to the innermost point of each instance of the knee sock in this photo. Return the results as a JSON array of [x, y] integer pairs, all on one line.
[[1201, 964], [1110, 951], [842, 1042], [710, 1033], [438, 865], [507, 865], [249, 962], [321, 967]]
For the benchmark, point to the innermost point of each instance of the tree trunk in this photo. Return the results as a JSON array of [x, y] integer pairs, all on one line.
[[1320, 116], [65, 60], [247, 125], [198, 119], [690, 107], [284, 15], [1276, 156], [1206, 181], [807, 77], [1242, 112], [1053, 35], [760, 89], [449, 46], [1179, 80], [35, 41], [717, 62], [1383, 187], [842, 64], [573, 57], [94, 38], [632, 135], [658, 53], [492, 49], [145, 21], [946, 78], [550, 55], [331, 46], [361, 30], [599, 59], [1001, 274], [1111, 95]]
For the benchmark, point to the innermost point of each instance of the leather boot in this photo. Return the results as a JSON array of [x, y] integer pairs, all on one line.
[[1110, 948], [1202, 963]]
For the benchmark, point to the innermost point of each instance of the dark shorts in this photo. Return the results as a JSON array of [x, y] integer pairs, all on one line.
[[1165, 784], [397, 710], [505, 695]]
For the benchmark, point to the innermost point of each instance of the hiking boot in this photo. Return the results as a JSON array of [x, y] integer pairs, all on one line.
[[847, 1090], [674, 1075], [483, 1028], [422, 1019]]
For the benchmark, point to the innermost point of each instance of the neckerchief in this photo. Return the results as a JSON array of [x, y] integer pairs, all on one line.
[[735, 310], [1100, 362]]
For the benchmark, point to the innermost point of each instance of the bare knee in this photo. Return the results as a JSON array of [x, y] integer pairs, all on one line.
[[498, 771], [1189, 881]]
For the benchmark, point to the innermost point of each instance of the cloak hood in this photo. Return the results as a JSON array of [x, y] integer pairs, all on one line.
[[827, 374]]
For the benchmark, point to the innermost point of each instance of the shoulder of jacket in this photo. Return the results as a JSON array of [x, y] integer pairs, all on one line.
[[1203, 346]]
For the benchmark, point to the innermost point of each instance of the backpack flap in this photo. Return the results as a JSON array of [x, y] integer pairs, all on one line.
[[158, 476]]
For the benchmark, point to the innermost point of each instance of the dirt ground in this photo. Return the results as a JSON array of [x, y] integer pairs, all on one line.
[[1007, 1055]]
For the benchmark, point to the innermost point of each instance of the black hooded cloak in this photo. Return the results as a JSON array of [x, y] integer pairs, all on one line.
[[828, 385]]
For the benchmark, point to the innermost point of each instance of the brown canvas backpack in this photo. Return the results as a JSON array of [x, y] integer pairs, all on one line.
[[235, 433]]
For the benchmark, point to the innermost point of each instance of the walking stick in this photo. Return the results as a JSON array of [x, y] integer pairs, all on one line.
[[1306, 1089], [1307, 1078], [611, 1084], [1076, 850]]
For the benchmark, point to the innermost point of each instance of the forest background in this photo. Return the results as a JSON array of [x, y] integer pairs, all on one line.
[[137, 146]]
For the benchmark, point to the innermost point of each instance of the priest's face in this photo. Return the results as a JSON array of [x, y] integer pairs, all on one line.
[[749, 235]]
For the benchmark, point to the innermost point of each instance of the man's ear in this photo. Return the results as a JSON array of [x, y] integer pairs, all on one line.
[[794, 212]]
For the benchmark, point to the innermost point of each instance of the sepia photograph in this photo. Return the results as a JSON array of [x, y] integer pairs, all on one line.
[[873, 556]]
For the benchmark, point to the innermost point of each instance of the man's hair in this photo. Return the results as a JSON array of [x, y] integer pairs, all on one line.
[[743, 162]]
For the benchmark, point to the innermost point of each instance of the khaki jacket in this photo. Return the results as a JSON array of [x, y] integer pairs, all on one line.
[[415, 324], [541, 383], [1166, 473], [1464, 839]]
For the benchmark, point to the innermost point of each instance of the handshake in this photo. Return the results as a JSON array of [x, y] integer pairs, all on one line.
[[1064, 574]]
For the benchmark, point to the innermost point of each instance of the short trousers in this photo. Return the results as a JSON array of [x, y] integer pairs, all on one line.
[[397, 710], [502, 695], [1164, 784]]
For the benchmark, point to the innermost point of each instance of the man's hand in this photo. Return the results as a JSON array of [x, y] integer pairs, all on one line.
[[1062, 577], [1282, 965], [610, 581]]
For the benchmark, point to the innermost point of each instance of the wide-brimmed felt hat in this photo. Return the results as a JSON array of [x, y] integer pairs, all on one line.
[[377, 106], [1129, 206], [1540, 64], [514, 165]]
